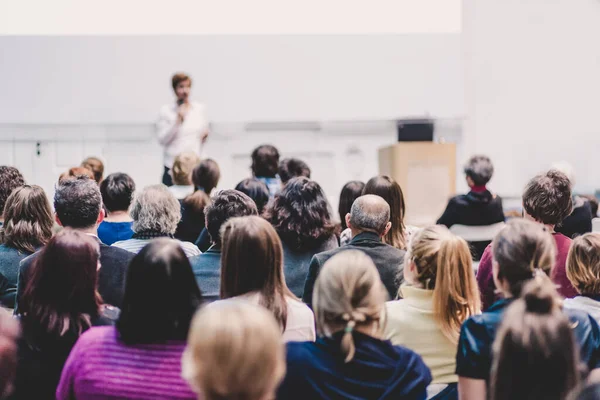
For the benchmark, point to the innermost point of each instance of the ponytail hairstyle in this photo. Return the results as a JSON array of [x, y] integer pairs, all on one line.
[[443, 264], [348, 294], [535, 356], [523, 250]]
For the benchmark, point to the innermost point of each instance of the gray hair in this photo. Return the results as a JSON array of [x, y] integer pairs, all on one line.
[[155, 209], [370, 213], [480, 169]]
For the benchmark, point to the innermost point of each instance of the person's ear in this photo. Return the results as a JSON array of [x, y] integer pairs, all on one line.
[[57, 219], [388, 226], [101, 216], [348, 221]]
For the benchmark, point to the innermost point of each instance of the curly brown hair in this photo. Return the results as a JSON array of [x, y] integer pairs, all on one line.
[[10, 179], [547, 197]]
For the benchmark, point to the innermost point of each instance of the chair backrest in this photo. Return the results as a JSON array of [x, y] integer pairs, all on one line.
[[596, 225], [477, 233]]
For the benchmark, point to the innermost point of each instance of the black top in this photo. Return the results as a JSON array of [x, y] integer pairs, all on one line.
[[580, 220], [203, 241], [190, 226], [378, 371], [41, 359], [388, 260], [474, 356], [207, 270], [111, 276], [473, 209]]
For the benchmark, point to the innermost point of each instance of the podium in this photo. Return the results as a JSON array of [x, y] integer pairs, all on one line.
[[426, 172]]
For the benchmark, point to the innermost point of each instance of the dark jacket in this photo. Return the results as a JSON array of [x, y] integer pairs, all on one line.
[[580, 220], [10, 258], [190, 226], [378, 371], [474, 356], [207, 270], [297, 261], [388, 260], [111, 276]]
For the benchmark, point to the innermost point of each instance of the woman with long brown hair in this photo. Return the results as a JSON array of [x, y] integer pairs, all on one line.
[[439, 294], [252, 269], [27, 227], [59, 303]]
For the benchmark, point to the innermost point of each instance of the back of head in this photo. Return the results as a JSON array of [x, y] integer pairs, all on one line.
[[95, 165], [10, 179], [350, 192], [265, 161], [194, 205], [76, 172], [27, 219], [443, 264], [388, 189], [291, 168], [78, 202], [225, 205], [183, 166], [117, 191], [235, 352], [252, 261], [257, 190], [521, 250], [348, 293], [535, 355], [155, 210], [480, 169], [160, 267], [547, 198], [206, 175], [61, 291], [301, 215], [370, 213], [583, 264]]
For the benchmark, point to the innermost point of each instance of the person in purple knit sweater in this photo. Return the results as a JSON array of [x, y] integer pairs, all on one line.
[[141, 357], [547, 200]]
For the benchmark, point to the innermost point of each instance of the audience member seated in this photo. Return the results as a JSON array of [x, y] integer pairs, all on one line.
[[207, 266], [351, 359], [439, 294], [256, 190], [234, 351], [350, 192], [156, 213], [523, 251], [369, 222], [10, 179], [60, 301], [183, 166], [117, 194], [192, 217], [291, 168], [593, 204], [206, 175], [78, 205], [76, 172], [388, 189], [535, 355], [9, 333], [479, 207], [140, 357], [265, 165], [27, 227], [579, 221], [583, 271], [252, 270], [546, 200], [301, 216], [95, 165]]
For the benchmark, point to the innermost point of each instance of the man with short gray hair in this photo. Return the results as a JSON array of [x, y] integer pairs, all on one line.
[[369, 221]]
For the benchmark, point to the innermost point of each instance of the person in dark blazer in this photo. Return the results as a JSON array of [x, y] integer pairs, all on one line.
[[78, 205], [369, 221], [207, 266]]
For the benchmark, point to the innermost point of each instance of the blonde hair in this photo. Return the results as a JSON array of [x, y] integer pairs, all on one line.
[[234, 351], [349, 293], [183, 166], [443, 264], [583, 264]]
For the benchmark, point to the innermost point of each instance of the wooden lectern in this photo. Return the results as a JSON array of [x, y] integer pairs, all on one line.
[[426, 173]]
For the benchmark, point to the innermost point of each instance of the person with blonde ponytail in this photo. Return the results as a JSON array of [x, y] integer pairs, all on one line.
[[439, 294], [523, 251], [535, 354], [351, 360]]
